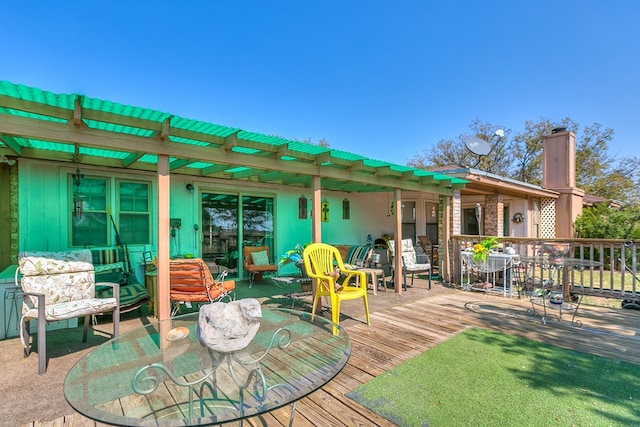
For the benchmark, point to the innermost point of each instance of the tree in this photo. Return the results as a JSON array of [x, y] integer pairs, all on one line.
[[520, 157], [592, 159], [626, 170], [527, 149], [322, 142], [601, 222], [455, 153]]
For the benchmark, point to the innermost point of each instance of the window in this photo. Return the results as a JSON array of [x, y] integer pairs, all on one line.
[[409, 220], [506, 220], [92, 217], [134, 216], [431, 226], [89, 214], [470, 222]]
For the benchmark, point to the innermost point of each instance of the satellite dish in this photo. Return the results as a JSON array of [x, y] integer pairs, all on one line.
[[478, 146]]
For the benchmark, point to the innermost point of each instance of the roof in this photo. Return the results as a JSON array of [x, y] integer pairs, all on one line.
[[591, 200], [74, 128], [482, 182]]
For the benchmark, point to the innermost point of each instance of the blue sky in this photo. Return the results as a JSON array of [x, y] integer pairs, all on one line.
[[379, 78]]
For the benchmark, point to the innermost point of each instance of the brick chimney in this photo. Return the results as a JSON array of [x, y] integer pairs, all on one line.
[[559, 174]]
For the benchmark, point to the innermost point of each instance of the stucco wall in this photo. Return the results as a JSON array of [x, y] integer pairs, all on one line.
[[44, 210]]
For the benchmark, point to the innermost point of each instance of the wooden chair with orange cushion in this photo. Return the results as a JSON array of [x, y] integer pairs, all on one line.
[[256, 262], [190, 281]]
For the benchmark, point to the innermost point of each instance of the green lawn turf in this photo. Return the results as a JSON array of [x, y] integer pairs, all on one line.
[[485, 378]]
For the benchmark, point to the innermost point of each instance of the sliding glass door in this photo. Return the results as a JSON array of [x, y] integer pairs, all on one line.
[[231, 221]]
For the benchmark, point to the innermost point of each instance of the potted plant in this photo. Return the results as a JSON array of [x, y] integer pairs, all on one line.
[[482, 249], [292, 255], [295, 256]]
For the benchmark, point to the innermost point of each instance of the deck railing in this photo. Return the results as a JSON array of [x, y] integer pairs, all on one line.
[[617, 275]]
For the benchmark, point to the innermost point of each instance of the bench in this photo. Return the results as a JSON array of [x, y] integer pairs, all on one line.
[[357, 256], [111, 265]]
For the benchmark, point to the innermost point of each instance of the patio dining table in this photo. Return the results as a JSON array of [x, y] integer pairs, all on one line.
[[494, 263], [558, 290], [161, 375], [560, 265]]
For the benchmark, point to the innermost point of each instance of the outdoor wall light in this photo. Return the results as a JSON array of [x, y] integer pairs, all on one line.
[[8, 161], [77, 177], [190, 188], [78, 203]]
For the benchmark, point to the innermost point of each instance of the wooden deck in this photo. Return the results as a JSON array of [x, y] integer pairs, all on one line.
[[401, 332]]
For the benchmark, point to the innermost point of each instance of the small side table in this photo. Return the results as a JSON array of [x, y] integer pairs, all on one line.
[[151, 283], [293, 280], [374, 273]]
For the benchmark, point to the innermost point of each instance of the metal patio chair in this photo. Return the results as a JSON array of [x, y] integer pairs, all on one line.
[[191, 282], [409, 261], [255, 260], [59, 286]]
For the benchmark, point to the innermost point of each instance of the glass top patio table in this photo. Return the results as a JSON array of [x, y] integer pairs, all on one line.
[[494, 261], [161, 375]]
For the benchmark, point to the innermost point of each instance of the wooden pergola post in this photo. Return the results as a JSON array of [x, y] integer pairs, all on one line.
[[164, 181]]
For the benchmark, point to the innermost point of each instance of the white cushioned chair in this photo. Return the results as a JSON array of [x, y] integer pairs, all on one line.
[[409, 261], [59, 286]]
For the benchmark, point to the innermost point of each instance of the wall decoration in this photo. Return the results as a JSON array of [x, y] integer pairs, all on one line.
[[518, 218], [346, 214], [324, 209], [302, 207]]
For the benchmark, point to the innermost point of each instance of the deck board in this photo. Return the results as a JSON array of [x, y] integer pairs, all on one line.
[[401, 332]]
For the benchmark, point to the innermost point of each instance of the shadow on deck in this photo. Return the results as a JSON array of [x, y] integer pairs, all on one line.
[[403, 326]]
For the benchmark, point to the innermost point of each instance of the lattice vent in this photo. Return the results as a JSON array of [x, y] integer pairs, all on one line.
[[547, 218]]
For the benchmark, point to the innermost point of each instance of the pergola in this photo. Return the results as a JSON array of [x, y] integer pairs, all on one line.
[[74, 128]]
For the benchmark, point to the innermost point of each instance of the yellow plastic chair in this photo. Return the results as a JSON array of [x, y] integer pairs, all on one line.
[[320, 261]]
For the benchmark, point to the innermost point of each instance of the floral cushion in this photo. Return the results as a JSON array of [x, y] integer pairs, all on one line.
[[40, 263], [70, 309], [408, 256], [60, 288], [60, 276]]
